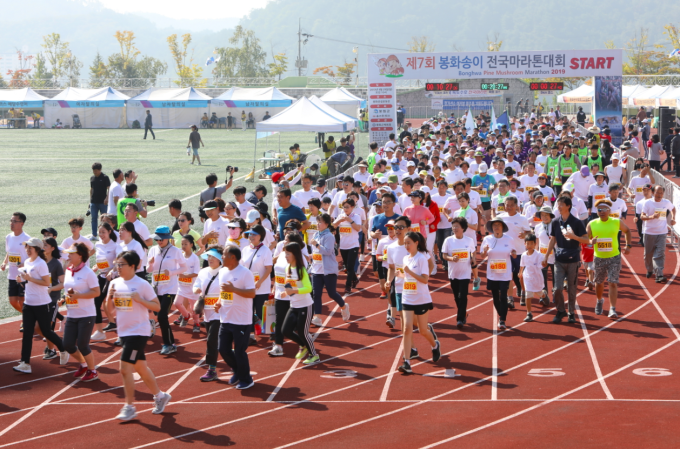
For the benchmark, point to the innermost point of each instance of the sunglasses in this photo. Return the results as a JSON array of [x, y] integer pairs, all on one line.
[[602, 209], [399, 227]]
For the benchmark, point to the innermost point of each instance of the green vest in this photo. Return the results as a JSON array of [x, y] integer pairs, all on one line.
[[371, 162], [122, 204], [598, 160], [568, 164], [582, 152], [607, 233], [550, 165]]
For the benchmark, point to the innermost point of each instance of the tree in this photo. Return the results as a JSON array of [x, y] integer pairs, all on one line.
[[150, 68], [494, 43], [647, 62], [72, 68], [189, 73], [279, 66], [245, 58], [326, 70], [41, 75], [345, 71], [98, 72], [673, 33], [420, 45], [56, 53], [19, 77]]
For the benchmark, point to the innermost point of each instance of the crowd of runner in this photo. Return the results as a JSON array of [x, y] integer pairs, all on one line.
[[530, 205]]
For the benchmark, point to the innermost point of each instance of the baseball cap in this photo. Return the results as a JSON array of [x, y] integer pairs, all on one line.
[[321, 182], [37, 243], [483, 168], [49, 230], [252, 216], [257, 229], [276, 177], [479, 154], [233, 224], [393, 178], [411, 164], [423, 173], [162, 233], [616, 156], [509, 171], [394, 160], [585, 171], [210, 205]]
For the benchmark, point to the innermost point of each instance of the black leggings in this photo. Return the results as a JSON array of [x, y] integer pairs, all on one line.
[[281, 307], [77, 334], [499, 291], [212, 340], [163, 322], [329, 281], [460, 294], [349, 259], [258, 303], [99, 300], [296, 327], [515, 274], [550, 266], [41, 315]]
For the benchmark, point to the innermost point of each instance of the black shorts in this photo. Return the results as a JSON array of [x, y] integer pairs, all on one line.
[[375, 263], [382, 272], [15, 288], [486, 205], [497, 285], [133, 348], [420, 309]]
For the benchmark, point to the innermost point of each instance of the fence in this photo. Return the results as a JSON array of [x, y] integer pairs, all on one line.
[[138, 83]]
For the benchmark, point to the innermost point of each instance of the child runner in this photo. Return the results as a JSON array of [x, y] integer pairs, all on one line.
[[531, 273]]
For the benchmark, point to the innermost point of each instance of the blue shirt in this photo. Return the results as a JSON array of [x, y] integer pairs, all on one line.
[[289, 213], [379, 222], [486, 182]]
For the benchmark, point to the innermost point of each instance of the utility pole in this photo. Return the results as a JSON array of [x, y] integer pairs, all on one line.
[[299, 46]]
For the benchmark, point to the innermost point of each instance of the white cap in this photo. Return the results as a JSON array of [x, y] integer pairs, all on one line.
[[428, 143], [394, 161], [616, 156], [483, 168], [425, 189], [389, 149], [411, 164]]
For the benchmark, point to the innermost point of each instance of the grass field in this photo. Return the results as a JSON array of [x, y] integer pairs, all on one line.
[[45, 173]]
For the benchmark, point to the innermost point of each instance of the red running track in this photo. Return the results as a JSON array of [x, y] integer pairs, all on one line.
[[598, 382]]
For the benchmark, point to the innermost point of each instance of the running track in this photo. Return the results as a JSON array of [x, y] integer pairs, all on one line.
[[598, 382]]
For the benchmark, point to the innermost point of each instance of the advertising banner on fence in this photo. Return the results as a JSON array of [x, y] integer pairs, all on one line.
[[502, 64], [608, 105], [465, 93], [382, 110]]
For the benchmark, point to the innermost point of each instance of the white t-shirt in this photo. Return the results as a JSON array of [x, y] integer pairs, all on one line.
[[303, 198], [516, 225], [280, 265], [36, 295], [16, 252], [115, 190], [244, 208], [472, 219], [465, 250], [636, 186], [83, 281], [212, 295], [498, 266], [533, 276], [618, 208], [543, 241], [598, 193], [297, 301], [219, 225], [173, 261], [475, 199], [548, 193], [395, 256], [142, 230], [235, 308], [614, 173], [132, 318], [365, 179], [441, 202], [452, 177], [381, 250], [530, 213], [185, 282], [342, 196], [452, 205], [135, 246], [105, 255], [415, 292], [404, 201], [657, 226], [69, 241], [581, 184], [349, 238], [256, 260], [528, 181]]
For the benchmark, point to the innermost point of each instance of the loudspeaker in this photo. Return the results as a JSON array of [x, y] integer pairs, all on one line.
[[666, 121]]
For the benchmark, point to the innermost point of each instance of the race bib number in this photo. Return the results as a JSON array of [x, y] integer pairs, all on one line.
[[103, 264], [209, 302], [441, 209], [498, 265], [450, 186], [317, 258], [313, 227], [415, 228], [530, 189], [292, 282], [483, 192], [161, 278], [551, 171], [345, 230], [185, 279], [599, 196], [463, 256], [543, 250], [280, 280], [384, 254], [226, 297], [614, 215], [212, 242], [122, 303], [638, 190], [605, 245], [257, 278], [536, 219], [567, 171], [71, 303], [410, 287], [14, 259], [662, 213], [500, 207]]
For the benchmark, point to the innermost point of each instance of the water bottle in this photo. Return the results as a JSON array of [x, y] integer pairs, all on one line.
[[564, 232]]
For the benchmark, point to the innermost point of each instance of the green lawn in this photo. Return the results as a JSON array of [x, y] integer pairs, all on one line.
[[45, 173]]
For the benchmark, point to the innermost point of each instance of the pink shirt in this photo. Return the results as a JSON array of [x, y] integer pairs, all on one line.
[[418, 213]]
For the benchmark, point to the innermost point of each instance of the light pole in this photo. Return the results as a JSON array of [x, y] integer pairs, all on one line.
[[355, 50]]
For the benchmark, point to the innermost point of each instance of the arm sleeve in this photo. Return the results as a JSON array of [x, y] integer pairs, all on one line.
[[306, 284]]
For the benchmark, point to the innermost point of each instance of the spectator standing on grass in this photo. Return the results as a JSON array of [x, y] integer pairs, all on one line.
[[195, 142], [116, 191], [148, 125], [213, 191], [99, 195]]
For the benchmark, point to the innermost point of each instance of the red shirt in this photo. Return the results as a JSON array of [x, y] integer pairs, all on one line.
[[437, 216], [587, 252]]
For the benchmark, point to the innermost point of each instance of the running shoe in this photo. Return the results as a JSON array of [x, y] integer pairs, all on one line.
[[390, 322], [98, 336], [252, 341], [127, 413], [587, 283], [345, 312], [209, 376], [511, 302], [46, 350], [197, 329], [406, 368], [383, 296], [118, 342], [316, 321], [177, 321], [612, 313], [459, 325], [599, 306], [183, 321], [244, 385], [522, 301], [436, 352], [23, 367], [558, 317], [501, 325], [233, 380], [50, 354], [110, 327], [165, 350], [63, 358], [277, 351], [355, 282], [21, 328], [544, 298], [80, 371], [160, 402], [476, 284], [431, 327], [529, 317], [572, 318], [414, 354], [649, 274], [661, 280], [301, 353], [90, 375], [311, 360]]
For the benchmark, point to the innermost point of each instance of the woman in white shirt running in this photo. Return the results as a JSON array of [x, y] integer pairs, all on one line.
[[186, 298]]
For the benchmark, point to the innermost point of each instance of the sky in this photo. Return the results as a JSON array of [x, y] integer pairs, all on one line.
[[177, 9]]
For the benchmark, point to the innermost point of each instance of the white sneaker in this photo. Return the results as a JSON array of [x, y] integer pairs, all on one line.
[[160, 403], [23, 367], [127, 413], [277, 351], [316, 321], [63, 358], [345, 312], [612, 313], [98, 336]]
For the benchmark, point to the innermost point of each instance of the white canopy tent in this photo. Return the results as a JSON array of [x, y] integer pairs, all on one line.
[[344, 101], [670, 98], [629, 90], [647, 96], [21, 98], [334, 112], [258, 101], [582, 94], [170, 108], [95, 108]]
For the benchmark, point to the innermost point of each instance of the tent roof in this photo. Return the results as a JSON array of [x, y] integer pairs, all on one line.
[[245, 94], [78, 94], [329, 110], [171, 94], [25, 94], [652, 92], [340, 95], [581, 91], [304, 115], [673, 92]]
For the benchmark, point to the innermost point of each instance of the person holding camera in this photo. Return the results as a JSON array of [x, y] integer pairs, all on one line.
[[213, 191], [131, 197], [195, 143], [99, 195]]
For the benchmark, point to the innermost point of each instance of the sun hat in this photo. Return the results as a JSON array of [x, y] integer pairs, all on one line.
[[545, 210], [162, 233], [489, 225], [211, 252]]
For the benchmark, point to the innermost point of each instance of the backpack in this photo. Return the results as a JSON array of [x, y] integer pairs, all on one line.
[[371, 162], [323, 169]]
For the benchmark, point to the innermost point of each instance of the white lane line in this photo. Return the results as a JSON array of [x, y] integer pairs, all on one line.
[[593, 357], [41, 355], [549, 401], [494, 356], [185, 375]]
